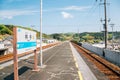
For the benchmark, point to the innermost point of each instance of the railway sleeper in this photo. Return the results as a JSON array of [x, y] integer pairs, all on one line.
[[113, 77]]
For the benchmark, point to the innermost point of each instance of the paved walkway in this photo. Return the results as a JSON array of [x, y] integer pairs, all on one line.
[[62, 62], [59, 61]]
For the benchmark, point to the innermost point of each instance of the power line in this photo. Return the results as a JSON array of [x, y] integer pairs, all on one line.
[[92, 9]]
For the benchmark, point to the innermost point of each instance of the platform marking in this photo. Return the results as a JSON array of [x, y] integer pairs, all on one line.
[[76, 64], [80, 75], [75, 59]]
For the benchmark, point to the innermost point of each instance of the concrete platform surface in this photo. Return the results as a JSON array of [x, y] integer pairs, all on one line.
[[59, 61], [85, 71]]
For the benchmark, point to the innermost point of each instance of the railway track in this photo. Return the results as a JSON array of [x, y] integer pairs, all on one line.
[[5, 58], [111, 71]]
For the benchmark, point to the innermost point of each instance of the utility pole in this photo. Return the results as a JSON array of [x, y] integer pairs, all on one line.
[[105, 24], [106, 32], [112, 25]]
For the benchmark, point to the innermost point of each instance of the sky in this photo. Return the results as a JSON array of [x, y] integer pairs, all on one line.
[[60, 16]]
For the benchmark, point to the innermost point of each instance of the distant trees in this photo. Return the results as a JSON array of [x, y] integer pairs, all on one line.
[[91, 37], [88, 38], [57, 36], [62, 36]]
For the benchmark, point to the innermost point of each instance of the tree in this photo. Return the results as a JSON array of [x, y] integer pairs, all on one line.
[[5, 30]]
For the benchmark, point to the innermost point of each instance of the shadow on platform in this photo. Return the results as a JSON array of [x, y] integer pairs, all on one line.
[[21, 71]]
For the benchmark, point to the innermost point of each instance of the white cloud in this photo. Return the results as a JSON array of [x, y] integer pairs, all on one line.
[[6, 17], [9, 14], [77, 8], [70, 8], [9, 1], [66, 15]]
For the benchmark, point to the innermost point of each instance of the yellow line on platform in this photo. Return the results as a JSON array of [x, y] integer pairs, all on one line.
[[74, 59], [80, 75], [76, 65]]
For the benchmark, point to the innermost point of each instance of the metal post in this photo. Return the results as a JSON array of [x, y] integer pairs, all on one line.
[[35, 61], [41, 33]]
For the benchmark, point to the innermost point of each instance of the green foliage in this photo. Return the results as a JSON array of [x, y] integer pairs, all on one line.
[[4, 30], [46, 36], [109, 36], [88, 38], [8, 29], [96, 35], [62, 37], [57, 36], [91, 37]]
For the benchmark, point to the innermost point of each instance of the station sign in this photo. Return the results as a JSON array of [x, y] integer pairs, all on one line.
[[26, 40]]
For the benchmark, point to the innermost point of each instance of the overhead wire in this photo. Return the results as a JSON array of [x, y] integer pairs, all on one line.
[[100, 14], [92, 9], [90, 13]]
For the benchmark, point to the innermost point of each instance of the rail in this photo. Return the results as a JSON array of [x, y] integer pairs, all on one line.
[[111, 71]]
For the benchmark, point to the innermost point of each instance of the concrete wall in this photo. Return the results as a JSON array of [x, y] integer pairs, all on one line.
[[111, 56], [2, 46]]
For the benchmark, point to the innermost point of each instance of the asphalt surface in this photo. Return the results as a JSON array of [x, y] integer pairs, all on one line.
[[59, 61]]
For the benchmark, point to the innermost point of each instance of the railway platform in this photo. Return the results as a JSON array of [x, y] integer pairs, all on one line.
[[61, 62]]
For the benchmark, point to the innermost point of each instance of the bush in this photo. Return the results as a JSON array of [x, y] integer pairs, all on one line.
[[5, 30]]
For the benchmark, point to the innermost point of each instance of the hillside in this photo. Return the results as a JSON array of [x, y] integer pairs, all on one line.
[[62, 36], [91, 37], [6, 30]]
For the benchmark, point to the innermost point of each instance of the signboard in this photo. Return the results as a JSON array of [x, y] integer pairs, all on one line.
[[26, 40]]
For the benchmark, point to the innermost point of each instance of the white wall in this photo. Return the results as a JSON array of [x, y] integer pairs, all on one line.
[[2, 46], [111, 56]]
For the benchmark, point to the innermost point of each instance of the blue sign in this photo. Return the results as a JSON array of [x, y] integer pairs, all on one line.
[[21, 45]]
